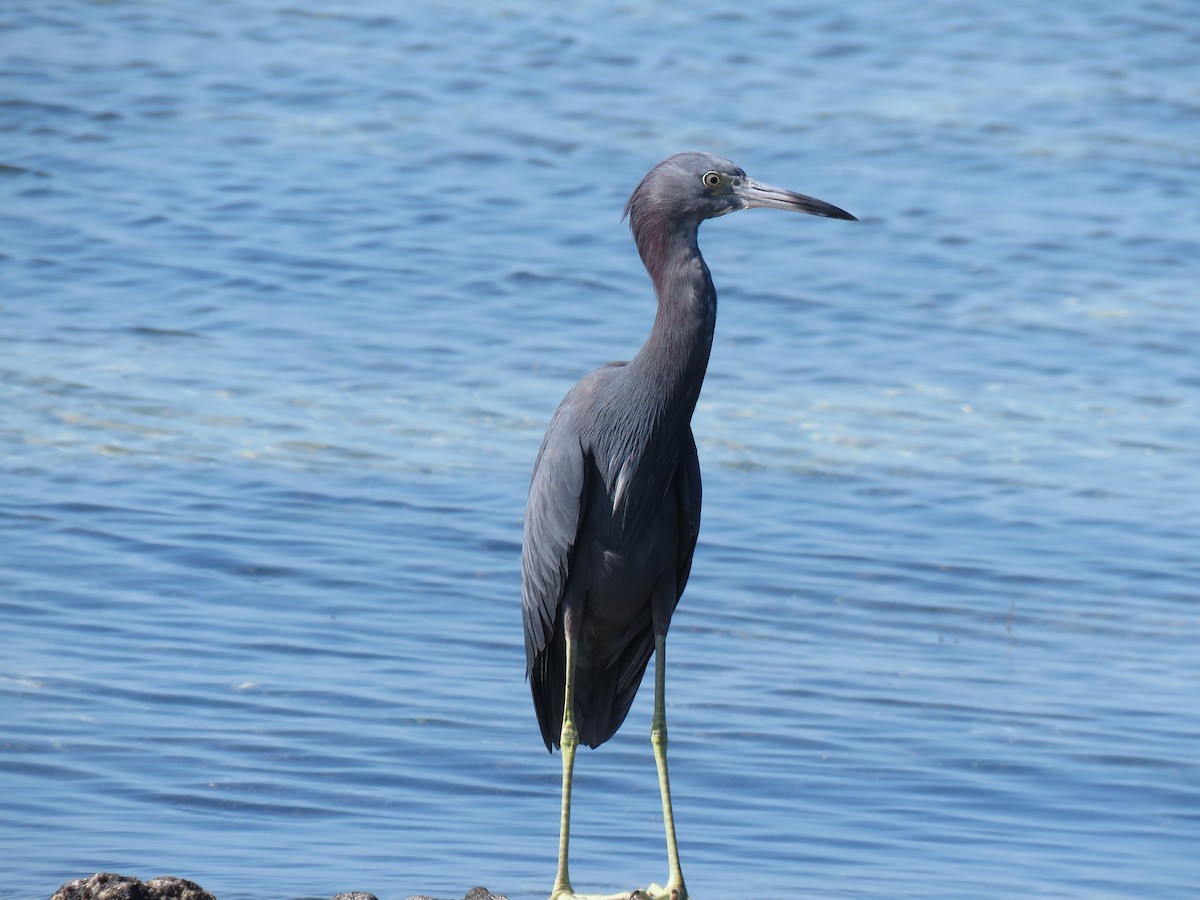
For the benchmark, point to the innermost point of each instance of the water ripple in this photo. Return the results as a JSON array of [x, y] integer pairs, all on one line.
[[289, 295]]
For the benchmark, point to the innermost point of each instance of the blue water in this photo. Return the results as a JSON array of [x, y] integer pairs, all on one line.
[[288, 293]]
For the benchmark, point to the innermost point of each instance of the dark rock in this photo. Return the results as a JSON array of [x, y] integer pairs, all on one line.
[[102, 886], [168, 887], [106, 886], [475, 893]]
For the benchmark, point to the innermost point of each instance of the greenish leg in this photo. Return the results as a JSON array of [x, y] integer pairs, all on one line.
[[567, 742], [675, 889]]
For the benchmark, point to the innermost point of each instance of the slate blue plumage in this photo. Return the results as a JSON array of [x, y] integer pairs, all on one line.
[[614, 502]]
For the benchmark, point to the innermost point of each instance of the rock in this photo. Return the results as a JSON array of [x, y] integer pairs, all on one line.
[[106, 886]]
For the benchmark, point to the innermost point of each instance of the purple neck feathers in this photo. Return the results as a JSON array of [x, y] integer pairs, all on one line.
[[675, 355]]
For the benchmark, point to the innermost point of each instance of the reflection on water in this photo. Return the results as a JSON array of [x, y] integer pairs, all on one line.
[[290, 295]]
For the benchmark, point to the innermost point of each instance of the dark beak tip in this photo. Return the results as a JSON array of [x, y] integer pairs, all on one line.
[[836, 212], [833, 212]]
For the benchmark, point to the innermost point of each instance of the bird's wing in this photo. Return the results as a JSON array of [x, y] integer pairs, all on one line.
[[687, 490], [552, 519]]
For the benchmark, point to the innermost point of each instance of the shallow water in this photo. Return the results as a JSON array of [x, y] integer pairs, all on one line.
[[289, 295]]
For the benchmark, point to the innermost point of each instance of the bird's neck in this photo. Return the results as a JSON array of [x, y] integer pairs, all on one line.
[[672, 362]]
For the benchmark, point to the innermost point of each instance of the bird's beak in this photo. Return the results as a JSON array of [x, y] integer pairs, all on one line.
[[755, 193]]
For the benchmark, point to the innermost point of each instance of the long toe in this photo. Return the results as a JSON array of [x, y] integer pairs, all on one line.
[[670, 892]]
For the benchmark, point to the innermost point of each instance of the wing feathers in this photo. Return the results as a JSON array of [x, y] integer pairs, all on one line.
[[552, 519]]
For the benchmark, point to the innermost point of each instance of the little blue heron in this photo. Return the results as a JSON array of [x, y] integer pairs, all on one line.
[[614, 503]]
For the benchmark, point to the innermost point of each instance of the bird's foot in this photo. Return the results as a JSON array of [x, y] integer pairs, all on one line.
[[670, 892], [654, 892]]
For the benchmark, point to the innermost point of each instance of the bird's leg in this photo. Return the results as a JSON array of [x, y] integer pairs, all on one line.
[[675, 889], [567, 742]]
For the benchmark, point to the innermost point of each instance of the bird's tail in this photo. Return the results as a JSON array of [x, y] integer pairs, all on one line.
[[603, 695]]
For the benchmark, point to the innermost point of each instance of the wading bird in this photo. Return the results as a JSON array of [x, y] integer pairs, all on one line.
[[614, 503]]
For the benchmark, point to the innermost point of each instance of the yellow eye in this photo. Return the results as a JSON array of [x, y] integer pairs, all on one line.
[[712, 179]]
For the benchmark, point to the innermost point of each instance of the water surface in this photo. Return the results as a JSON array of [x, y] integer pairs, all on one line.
[[289, 294]]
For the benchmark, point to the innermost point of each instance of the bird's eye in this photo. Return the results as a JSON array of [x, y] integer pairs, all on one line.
[[711, 179]]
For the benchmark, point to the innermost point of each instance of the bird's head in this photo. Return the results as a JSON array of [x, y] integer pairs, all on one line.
[[690, 187]]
